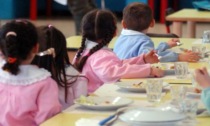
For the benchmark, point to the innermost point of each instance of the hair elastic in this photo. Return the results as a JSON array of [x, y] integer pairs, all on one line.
[[11, 33], [49, 26], [11, 60], [51, 51], [23, 21]]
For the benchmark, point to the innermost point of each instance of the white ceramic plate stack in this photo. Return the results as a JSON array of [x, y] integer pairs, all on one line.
[[135, 86], [151, 117], [103, 103]]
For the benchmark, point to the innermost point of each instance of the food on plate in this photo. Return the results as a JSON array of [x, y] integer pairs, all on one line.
[[165, 66], [85, 100], [137, 85], [172, 67], [90, 101], [196, 90]]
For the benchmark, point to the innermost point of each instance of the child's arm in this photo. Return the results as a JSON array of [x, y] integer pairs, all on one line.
[[108, 67], [150, 57], [173, 42], [47, 101], [167, 45], [205, 97], [203, 79], [148, 45], [189, 56], [168, 56], [145, 46]]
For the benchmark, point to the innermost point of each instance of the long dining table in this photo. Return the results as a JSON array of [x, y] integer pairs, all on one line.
[[191, 16], [75, 112], [74, 42]]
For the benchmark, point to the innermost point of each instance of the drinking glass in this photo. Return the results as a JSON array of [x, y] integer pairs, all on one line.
[[199, 48], [178, 92], [189, 107], [154, 89], [206, 36], [181, 69]]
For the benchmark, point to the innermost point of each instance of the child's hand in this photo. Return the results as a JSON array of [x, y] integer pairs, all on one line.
[[189, 56], [156, 72], [173, 42], [151, 57], [202, 77]]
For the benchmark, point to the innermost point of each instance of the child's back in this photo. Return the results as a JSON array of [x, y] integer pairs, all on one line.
[[128, 46], [133, 41], [25, 90], [70, 82], [99, 63], [26, 99]]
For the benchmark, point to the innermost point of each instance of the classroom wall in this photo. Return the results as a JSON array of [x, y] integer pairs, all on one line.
[[10, 9]]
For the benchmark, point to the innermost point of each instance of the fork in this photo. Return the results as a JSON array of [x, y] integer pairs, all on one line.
[[111, 119]]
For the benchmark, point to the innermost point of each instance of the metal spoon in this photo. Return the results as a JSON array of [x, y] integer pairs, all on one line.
[[179, 43]]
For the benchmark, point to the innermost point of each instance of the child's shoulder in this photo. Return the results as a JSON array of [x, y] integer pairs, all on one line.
[[28, 75], [103, 52]]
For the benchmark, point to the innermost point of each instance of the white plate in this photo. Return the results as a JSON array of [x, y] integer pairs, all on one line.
[[103, 103], [150, 115], [134, 86], [173, 123]]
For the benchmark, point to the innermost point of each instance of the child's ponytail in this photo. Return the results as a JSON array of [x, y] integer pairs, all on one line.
[[97, 25], [11, 51]]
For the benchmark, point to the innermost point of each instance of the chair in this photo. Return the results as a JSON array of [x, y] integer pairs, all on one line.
[[168, 23], [33, 8], [168, 35]]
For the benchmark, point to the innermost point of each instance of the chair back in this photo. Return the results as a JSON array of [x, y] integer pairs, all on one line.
[[167, 35]]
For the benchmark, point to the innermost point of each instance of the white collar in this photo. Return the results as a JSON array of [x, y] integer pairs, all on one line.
[[90, 44], [131, 32], [29, 74]]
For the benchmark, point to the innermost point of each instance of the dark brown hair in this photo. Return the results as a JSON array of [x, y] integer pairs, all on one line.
[[17, 39], [97, 25], [137, 16], [51, 37]]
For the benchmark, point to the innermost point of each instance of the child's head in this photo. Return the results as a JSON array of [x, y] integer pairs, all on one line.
[[137, 16], [98, 26], [18, 43], [51, 37]]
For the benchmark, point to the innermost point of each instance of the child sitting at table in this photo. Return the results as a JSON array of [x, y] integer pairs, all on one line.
[[71, 84], [99, 63], [133, 41], [29, 95], [203, 79]]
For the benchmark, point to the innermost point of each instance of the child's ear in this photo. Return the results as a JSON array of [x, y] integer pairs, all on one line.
[[152, 24], [115, 34], [123, 24], [35, 48]]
